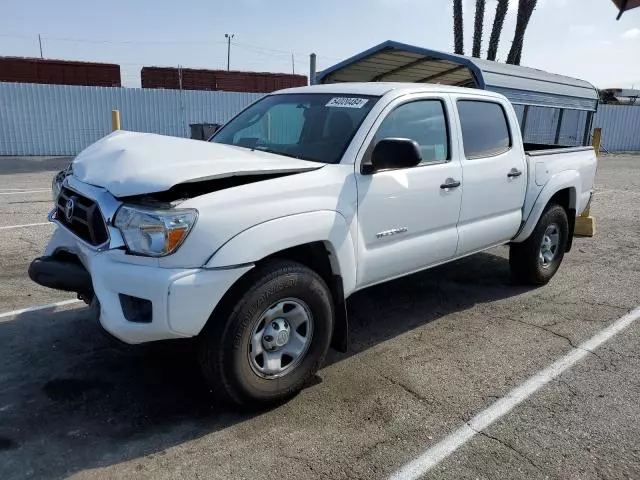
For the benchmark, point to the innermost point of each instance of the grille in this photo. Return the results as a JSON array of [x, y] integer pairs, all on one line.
[[85, 221]]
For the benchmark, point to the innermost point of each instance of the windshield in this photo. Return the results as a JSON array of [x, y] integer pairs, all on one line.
[[309, 126]]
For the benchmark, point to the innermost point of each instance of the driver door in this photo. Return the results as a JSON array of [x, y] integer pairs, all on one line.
[[408, 217]]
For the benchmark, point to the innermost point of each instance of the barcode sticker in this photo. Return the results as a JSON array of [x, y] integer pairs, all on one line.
[[347, 102]]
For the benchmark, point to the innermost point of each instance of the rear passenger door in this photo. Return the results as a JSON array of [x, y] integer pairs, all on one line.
[[493, 171]]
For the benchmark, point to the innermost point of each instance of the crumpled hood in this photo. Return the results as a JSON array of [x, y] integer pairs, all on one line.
[[130, 163]]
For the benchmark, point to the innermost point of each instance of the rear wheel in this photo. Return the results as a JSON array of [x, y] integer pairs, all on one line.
[[536, 260], [272, 337]]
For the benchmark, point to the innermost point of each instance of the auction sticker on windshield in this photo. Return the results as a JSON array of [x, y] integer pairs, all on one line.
[[347, 102]]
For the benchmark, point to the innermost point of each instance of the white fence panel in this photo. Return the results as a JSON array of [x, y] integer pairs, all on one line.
[[620, 127], [62, 119]]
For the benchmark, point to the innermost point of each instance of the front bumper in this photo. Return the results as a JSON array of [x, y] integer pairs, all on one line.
[[182, 300]]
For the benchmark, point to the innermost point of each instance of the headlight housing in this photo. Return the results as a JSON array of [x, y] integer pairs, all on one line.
[[154, 233]]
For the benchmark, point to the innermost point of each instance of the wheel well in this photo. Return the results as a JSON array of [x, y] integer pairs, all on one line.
[[566, 198], [314, 255], [318, 257]]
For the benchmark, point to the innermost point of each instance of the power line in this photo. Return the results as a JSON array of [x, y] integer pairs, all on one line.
[[267, 51], [256, 50], [132, 42], [115, 42], [275, 52], [260, 56], [282, 52], [10, 35], [279, 53]]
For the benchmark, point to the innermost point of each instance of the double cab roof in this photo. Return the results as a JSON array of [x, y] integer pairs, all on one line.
[[380, 89]]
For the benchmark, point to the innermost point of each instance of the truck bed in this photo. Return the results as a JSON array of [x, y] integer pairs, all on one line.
[[539, 147], [544, 162]]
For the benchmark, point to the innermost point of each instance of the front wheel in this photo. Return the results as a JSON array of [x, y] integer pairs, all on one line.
[[272, 337], [536, 260]]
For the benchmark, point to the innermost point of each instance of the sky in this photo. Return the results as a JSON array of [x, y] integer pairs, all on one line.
[[579, 38]]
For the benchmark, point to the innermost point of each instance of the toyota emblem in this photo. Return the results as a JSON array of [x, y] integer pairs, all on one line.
[[282, 338], [68, 209]]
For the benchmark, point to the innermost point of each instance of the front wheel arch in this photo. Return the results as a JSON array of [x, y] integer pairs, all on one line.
[[321, 257], [318, 257], [222, 343]]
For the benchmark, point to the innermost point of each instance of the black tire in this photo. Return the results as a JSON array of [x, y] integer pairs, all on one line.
[[224, 344], [524, 258]]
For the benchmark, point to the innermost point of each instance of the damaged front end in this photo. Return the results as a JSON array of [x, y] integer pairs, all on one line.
[[184, 191], [63, 271], [125, 193], [97, 220]]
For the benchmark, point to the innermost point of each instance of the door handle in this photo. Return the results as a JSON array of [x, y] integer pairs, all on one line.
[[450, 183], [514, 173]]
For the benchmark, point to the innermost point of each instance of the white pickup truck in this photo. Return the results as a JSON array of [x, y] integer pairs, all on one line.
[[251, 242]]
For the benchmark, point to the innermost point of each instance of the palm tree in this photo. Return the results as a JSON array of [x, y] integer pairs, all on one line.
[[477, 28], [525, 10], [496, 31], [458, 30]]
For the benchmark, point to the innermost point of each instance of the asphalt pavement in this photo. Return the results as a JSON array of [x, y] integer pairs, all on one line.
[[428, 353]]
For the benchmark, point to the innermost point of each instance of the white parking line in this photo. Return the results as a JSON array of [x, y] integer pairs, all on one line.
[[9, 227], [20, 189], [41, 307], [26, 191], [441, 450]]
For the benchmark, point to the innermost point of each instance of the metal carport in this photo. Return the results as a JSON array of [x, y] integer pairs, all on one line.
[[541, 98]]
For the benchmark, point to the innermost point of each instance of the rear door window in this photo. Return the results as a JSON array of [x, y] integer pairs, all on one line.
[[485, 131]]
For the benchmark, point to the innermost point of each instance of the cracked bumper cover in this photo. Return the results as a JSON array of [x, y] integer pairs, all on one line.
[[182, 299]]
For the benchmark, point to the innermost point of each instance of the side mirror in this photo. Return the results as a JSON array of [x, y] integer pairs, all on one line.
[[391, 153]]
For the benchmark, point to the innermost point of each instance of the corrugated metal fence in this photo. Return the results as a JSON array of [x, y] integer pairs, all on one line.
[[62, 120], [620, 127]]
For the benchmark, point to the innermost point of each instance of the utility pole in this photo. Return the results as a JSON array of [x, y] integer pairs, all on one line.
[[40, 43], [293, 64], [228, 36]]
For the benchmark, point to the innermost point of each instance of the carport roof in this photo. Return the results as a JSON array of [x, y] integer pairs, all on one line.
[[398, 62]]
